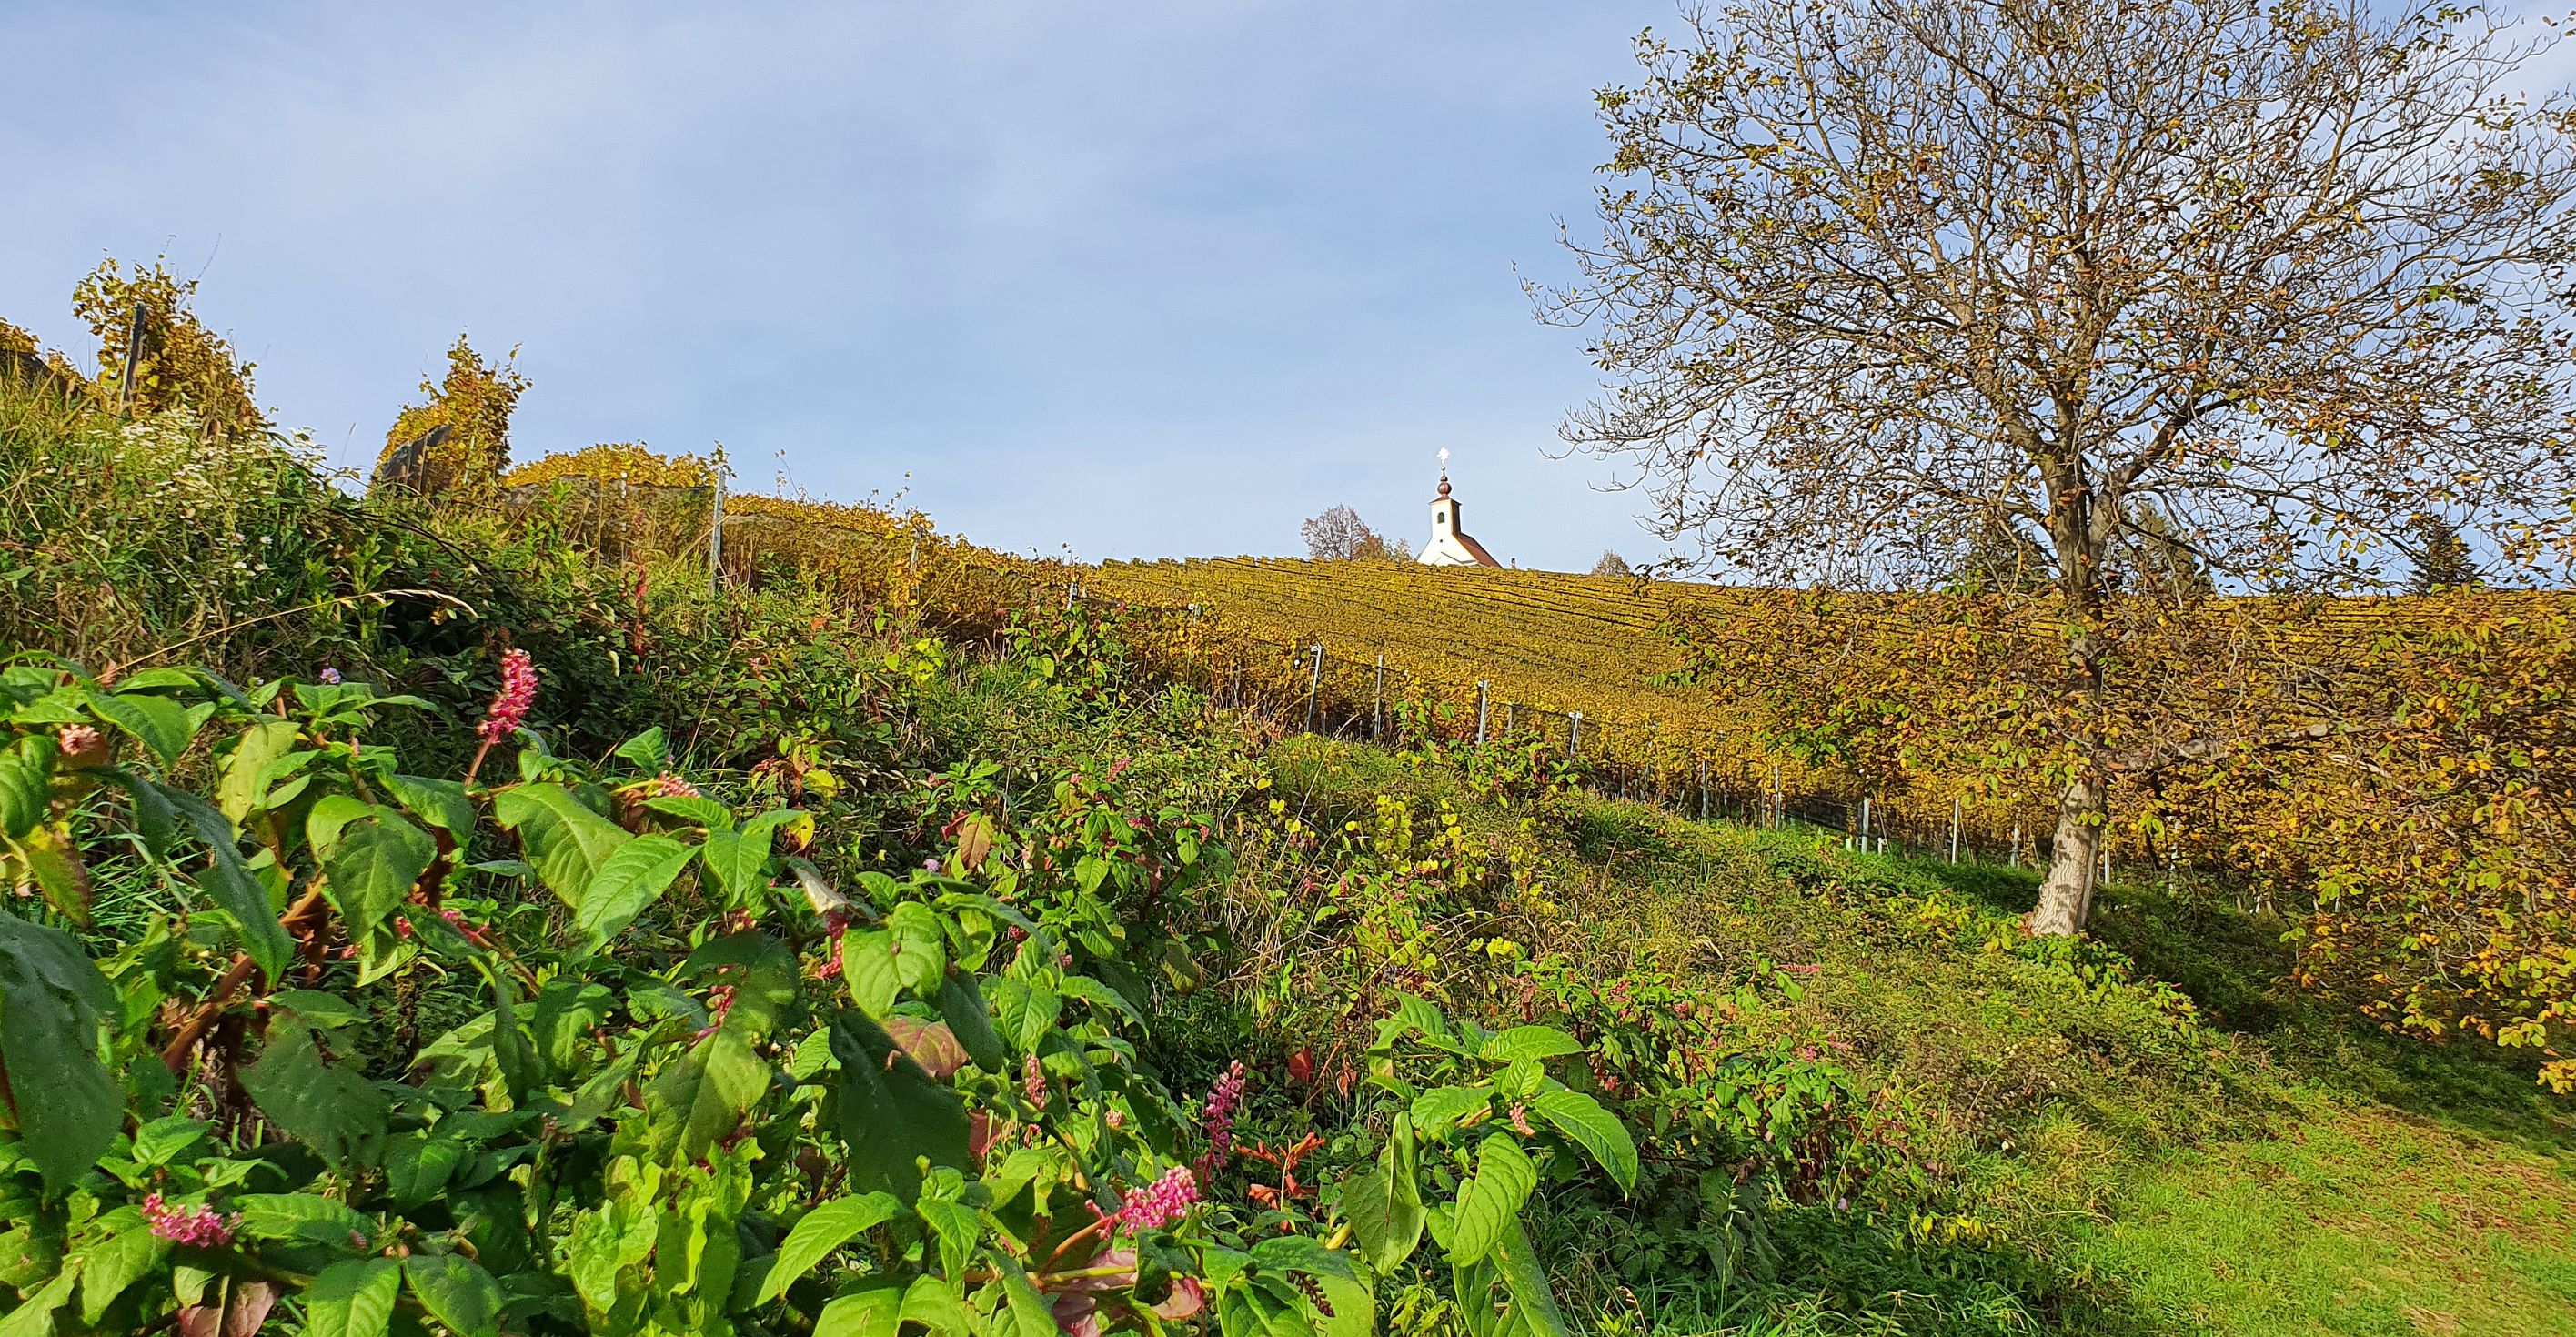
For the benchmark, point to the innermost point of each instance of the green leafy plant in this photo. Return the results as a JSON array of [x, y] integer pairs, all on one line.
[[1475, 1123]]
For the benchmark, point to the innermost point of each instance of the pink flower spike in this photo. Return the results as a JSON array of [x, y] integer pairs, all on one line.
[[510, 706], [1217, 1119], [203, 1227], [1166, 1200]]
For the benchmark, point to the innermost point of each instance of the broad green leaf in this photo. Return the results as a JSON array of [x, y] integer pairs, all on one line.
[[871, 1312], [957, 1227], [154, 819], [892, 1113], [440, 803], [566, 842], [255, 749], [353, 1298], [631, 877], [229, 881], [1593, 1128], [1528, 1042], [970, 1019], [647, 751], [110, 1266], [1385, 1227], [704, 1096], [158, 723], [1492, 1200], [330, 1107], [920, 947], [52, 1001], [301, 1218], [823, 1230], [34, 1316], [867, 960], [1025, 1013], [928, 1302], [1093, 991], [1532, 1306], [1436, 1109], [26, 784], [456, 1291], [418, 1166], [371, 858], [511, 1051], [700, 811]]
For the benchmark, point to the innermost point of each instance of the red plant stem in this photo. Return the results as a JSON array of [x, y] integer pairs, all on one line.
[[174, 1055], [1075, 1238], [480, 752]]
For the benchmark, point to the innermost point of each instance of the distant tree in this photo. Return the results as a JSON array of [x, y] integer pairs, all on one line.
[[2292, 272], [473, 404], [1611, 564], [2442, 560], [178, 361], [2153, 557], [1996, 557], [1340, 535]]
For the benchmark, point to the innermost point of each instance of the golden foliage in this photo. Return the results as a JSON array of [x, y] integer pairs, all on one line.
[[623, 461], [474, 401], [181, 363]]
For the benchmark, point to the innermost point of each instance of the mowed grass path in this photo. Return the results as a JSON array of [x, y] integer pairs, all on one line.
[[2355, 1220]]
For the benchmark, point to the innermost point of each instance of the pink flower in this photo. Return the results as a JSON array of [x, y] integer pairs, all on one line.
[[1217, 1119], [1033, 1081], [1159, 1204], [331, 676], [81, 745], [510, 705], [669, 785], [1520, 1121], [201, 1226]]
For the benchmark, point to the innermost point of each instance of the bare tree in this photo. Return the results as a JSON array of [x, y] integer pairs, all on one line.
[[1340, 535], [1612, 564], [1878, 277]]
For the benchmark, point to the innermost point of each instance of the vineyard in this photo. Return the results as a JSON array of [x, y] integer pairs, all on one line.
[[857, 741]]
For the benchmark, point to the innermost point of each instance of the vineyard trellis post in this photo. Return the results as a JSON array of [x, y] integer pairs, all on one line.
[[1314, 684], [1574, 733], [1954, 829], [1779, 801], [1377, 702], [1483, 689], [133, 360], [1703, 789], [715, 535], [1864, 823]]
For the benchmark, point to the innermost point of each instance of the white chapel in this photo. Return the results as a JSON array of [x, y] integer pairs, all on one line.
[[1450, 545]]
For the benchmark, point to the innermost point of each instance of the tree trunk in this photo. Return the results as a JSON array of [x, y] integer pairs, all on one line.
[[2066, 895]]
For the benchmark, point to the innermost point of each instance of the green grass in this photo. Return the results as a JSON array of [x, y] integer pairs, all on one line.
[[2099, 1164], [2355, 1220]]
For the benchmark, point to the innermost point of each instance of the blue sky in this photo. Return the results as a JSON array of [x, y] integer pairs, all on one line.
[[1150, 279]]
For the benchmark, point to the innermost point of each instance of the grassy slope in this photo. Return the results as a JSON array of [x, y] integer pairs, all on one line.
[[2098, 1166], [2082, 1163]]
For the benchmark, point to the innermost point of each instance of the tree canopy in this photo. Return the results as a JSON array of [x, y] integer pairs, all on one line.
[[2206, 290]]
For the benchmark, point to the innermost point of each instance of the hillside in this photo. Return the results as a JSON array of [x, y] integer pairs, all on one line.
[[1852, 1097]]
